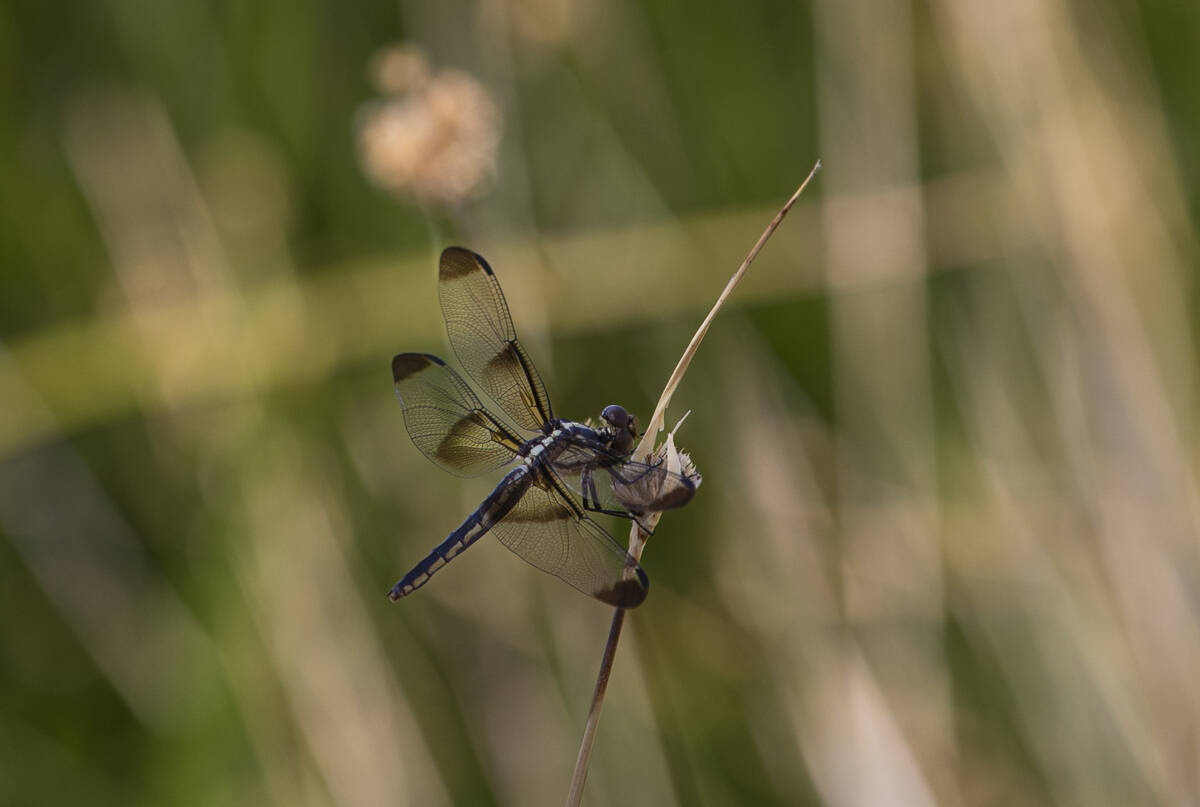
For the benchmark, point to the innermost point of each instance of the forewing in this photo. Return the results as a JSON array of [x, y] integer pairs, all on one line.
[[482, 335], [446, 420], [557, 537]]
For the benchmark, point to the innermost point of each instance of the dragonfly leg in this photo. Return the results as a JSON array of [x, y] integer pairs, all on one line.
[[591, 500], [623, 514]]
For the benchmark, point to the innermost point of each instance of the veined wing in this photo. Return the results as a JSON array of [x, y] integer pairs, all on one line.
[[550, 530], [482, 335], [446, 420], [620, 487]]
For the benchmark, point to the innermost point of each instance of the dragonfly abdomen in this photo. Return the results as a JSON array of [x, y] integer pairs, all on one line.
[[494, 507]]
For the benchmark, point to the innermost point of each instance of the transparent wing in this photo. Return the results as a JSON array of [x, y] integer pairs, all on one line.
[[551, 532], [618, 487], [445, 419], [482, 335]]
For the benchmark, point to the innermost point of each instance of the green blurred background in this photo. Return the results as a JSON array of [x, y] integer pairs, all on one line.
[[946, 550]]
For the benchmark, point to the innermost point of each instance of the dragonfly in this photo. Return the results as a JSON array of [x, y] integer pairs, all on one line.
[[561, 472]]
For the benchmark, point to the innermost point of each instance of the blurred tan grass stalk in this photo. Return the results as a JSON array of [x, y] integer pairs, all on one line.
[[670, 455], [1089, 160], [329, 663], [870, 736]]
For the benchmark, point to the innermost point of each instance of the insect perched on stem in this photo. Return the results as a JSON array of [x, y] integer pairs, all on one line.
[[560, 471]]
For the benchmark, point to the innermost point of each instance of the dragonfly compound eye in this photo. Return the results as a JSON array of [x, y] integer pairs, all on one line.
[[616, 416]]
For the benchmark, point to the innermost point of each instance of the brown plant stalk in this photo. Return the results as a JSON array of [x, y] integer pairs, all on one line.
[[637, 537]]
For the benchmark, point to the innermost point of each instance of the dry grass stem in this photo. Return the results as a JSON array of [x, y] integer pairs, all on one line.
[[654, 426], [670, 454]]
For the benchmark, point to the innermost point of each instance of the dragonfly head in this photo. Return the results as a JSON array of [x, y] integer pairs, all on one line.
[[623, 425]]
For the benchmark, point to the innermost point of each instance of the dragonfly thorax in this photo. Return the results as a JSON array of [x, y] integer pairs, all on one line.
[[546, 447]]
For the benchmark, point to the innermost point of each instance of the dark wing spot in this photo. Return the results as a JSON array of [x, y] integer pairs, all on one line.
[[483, 264], [408, 364], [506, 361], [458, 262], [627, 593], [462, 441], [674, 497]]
